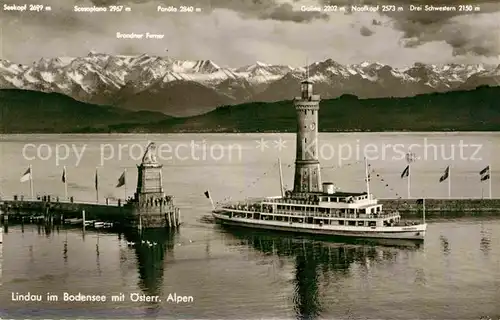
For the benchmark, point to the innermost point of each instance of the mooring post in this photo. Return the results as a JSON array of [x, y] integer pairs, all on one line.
[[83, 218], [178, 211]]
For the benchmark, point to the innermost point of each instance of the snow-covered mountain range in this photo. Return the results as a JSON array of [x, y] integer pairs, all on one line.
[[179, 87]]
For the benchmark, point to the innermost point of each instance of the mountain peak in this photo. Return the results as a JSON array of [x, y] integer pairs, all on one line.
[[196, 66], [105, 78]]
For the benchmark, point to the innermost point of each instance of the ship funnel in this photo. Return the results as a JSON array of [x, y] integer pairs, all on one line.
[[328, 188]]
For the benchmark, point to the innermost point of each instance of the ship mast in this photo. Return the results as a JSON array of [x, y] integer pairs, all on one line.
[[281, 179], [423, 210], [367, 179]]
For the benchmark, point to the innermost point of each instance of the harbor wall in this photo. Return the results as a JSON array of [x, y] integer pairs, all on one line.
[[151, 215], [106, 212], [442, 207]]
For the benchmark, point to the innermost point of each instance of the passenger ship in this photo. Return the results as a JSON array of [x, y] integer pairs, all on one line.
[[329, 212], [318, 208]]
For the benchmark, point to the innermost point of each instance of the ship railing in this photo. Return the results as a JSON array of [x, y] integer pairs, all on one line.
[[333, 215], [293, 201], [267, 209], [245, 205], [243, 208], [313, 202]]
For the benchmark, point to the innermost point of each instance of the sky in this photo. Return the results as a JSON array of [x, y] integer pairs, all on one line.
[[239, 32]]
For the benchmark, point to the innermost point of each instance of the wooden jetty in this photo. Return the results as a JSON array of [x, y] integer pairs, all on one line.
[[149, 208]]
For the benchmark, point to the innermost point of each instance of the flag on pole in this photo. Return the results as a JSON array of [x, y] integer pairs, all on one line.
[[26, 176], [121, 180], [207, 194], [485, 174], [96, 180], [445, 175], [64, 180], [368, 178], [406, 172]]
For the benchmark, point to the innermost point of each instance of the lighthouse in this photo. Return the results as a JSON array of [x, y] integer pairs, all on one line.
[[307, 167]]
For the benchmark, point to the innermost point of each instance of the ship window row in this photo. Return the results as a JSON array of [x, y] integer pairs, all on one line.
[[376, 209], [309, 220], [313, 200], [346, 199]]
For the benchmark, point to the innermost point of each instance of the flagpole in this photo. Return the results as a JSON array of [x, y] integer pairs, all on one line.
[[125, 183], [96, 184], [31, 184], [491, 197], [423, 209], [211, 200], [449, 183], [409, 184], [65, 183], [410, 157]]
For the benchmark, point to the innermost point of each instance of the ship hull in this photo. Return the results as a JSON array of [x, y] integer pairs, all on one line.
[[399, 233]]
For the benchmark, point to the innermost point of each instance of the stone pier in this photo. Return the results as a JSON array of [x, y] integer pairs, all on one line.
[[149, 208]]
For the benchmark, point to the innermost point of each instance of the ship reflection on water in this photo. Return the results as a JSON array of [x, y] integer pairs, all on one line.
[[313, 260], [316, 260]]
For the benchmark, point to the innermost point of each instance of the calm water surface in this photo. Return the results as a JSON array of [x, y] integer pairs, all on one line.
[[455, 274]]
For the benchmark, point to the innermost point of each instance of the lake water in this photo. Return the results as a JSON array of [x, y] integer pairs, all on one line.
[[455, 274]]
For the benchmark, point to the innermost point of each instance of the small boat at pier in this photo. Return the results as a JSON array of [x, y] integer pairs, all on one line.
[[75, 221], [100, 224], [89, 223]]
